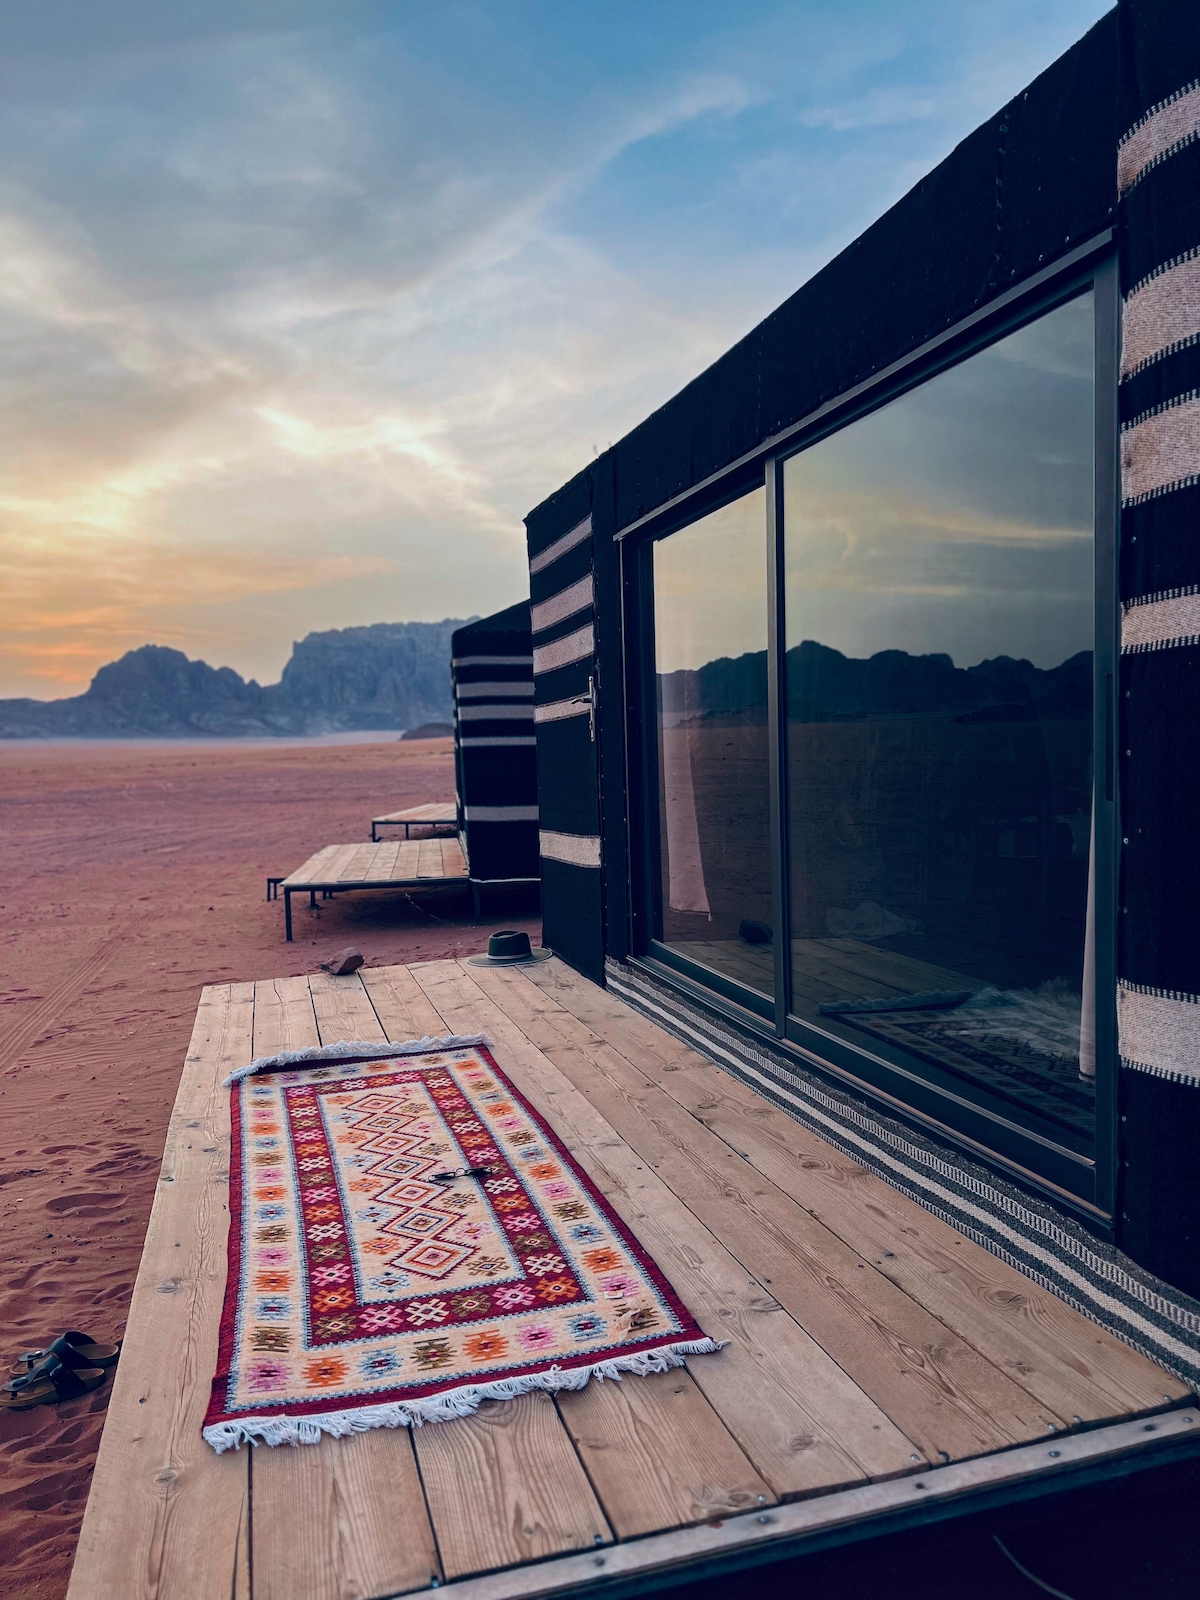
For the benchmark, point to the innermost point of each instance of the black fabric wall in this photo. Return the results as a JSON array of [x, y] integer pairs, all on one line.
[[495, 753], [1031, 183], [563, 617], [1159, 703]]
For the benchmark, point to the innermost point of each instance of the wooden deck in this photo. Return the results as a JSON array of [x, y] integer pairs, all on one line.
[[877, 1358], [392, 864], [437, 814]]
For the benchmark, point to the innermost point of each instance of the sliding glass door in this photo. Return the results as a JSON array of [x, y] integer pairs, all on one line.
[[939, 607], [710, 712], [878, 816]]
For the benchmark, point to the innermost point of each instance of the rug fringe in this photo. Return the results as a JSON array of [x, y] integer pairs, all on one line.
[[450, 1403], [350, 1047]]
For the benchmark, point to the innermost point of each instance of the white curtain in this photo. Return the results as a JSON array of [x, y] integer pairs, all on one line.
[[685, 868]]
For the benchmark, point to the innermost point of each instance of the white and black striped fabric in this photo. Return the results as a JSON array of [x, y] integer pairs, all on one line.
[[563, 621], [495, 746], [1158, 178]]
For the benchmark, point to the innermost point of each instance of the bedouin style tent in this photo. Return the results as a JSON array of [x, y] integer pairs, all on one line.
[[495, 753], [867, 692]]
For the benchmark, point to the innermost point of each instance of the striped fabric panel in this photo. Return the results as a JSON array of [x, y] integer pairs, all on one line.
[[577, 706], [497, 741], [1159, 452], [564, 604], [576, 849], [1159, 1032], [477, 691], [560, 652], [568, 541], [1161, 315], [492, 661], [510, 712], [500, 813], [1161, 133], [1158, 960], [1159, 621]]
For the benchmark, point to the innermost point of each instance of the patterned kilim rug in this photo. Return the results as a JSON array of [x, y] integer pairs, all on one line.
[[408, 1238]]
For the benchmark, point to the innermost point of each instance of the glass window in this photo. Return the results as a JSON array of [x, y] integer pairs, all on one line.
[[939, 630], [710, 647]]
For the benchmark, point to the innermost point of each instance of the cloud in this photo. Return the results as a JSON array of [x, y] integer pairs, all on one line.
[[303, 307]]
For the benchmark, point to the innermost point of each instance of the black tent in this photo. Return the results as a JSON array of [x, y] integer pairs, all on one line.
[[1077, 200], [494, 747]]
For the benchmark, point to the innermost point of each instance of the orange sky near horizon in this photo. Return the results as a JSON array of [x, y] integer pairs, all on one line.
[[304, 305]]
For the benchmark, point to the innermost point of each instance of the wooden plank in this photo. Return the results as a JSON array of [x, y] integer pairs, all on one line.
[[409, 855], [403, 1010], [342, 1518], [804, 1424], [343, 1009], [632, 1567], [322, 868], [429, 861], [505, 1486], [158, 1491], [657, 1453], [903, 972], [458, 862], [361, 866], [935, 1386], [310, 871], [1069, 1363], [283, 1016]]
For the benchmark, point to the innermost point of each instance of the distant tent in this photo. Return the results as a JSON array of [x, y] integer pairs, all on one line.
[[494, 746]]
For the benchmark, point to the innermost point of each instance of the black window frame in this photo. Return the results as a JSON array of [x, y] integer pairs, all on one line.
[[1086, 1185]]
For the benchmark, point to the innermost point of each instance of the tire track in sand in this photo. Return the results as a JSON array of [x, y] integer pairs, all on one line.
[[47, 1011]]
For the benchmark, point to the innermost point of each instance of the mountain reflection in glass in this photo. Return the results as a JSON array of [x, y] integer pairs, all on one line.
[[939, 627], [710, 645]]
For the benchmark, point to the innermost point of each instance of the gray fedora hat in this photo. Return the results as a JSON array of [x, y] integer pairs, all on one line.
[[508, 948]]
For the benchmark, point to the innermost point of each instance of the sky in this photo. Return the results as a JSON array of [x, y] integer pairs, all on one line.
[[305, 303]]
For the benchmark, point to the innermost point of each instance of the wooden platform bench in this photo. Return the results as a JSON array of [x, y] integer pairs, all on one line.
[[881, 1368], [392, 864], [438, 814]]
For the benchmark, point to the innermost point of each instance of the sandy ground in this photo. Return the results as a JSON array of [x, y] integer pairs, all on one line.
[[130, 876]]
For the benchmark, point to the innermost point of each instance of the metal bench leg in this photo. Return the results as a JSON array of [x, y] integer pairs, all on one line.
[[374, 835], [287, 914]]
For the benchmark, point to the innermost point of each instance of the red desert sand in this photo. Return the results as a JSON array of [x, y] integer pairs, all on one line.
[[130, 876]]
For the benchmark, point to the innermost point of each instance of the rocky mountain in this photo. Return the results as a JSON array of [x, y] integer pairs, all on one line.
[[389, 675], [823, 685]]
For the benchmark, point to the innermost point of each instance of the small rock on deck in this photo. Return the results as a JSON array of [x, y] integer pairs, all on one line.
[[874, 1351], [392, 864], [437, 814]]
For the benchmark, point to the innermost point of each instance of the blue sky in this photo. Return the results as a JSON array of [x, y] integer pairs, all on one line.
[[304, 304]]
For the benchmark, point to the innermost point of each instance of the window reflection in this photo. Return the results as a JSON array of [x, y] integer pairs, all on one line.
[[710, 632], [939, 572]]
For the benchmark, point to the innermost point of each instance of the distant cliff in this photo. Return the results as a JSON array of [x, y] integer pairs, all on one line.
[[390, 675], [823, 685]]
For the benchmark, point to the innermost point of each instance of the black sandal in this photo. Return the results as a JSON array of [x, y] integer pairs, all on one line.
[[48, 1383], [73, 1349]]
